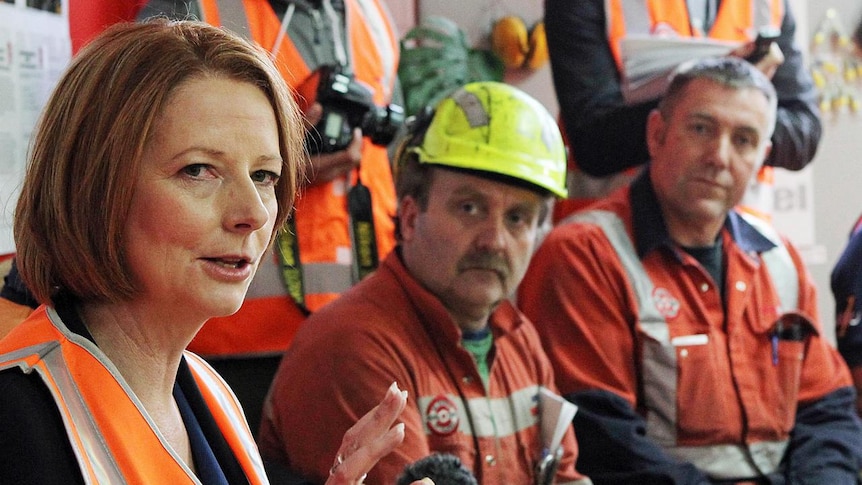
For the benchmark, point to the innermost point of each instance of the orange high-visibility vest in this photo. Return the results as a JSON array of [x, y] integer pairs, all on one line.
[[113, 438], [734, 21], [268, 319]]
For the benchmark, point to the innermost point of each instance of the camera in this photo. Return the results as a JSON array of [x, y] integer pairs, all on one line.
[[347, 104]]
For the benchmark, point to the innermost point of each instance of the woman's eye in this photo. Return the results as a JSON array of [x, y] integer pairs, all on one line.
[[195, 169], [265, 177]]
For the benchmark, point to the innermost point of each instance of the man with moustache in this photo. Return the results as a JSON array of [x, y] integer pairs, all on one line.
[[474, 178], [684, 329]]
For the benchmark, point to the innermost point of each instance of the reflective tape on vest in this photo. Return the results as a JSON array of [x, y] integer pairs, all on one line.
[[482, 417], [96, 460], [659, 356], [95, 403], [734, 21]]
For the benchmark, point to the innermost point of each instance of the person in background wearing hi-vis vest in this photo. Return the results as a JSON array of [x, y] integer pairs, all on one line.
[[685, 329], [605, 131], [334, 246], [474, 177], [162, 167]]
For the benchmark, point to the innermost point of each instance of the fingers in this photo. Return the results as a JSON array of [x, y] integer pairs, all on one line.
[[328, 166], [355, 466], [370, 439], [768, 64], [355, 147], [312, 116], [771, 61], [377, 421]]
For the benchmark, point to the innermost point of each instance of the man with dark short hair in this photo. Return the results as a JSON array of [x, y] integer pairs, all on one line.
[[685, 330], [473, 178]]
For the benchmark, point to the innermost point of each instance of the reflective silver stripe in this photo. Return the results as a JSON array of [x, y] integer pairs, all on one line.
[[90, 447], [339, 49], [659, 359], [636, 16], [660, 366], [318, 278], [732, 461], [379, 21], [233, 17], [66, 393], [326, 278], [230, 408], [638, 21], [491, 417], [762, 14], [471, 105], [779, 264]]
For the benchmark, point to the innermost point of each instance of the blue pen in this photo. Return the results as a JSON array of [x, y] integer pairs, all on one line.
[[774, 339]]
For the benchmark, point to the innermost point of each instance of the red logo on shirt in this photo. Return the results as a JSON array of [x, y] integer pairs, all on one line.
[[442, 416], [665, 303]]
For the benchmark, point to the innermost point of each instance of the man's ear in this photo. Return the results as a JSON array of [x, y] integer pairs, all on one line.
[[656, 130], [408, 211]]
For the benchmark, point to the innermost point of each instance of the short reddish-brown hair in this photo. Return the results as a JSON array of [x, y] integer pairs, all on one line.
[[88, 145]]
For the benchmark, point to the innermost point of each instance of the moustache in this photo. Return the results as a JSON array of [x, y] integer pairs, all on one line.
[[485, 261]]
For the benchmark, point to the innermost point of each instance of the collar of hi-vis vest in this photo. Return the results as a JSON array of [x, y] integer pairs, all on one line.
[[650, 230]]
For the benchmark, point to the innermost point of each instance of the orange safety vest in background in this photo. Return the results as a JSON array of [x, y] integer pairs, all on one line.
[[268, 319], [737, 21], [114, 439]]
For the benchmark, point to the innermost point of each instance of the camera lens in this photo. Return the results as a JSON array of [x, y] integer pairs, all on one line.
[[382, 124]]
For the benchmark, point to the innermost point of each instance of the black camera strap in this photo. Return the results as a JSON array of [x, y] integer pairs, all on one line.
[[362, 235], [287, 247]]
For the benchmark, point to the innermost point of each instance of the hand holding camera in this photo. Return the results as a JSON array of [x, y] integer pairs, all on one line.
[[347, 105], [329, 166], [339, 111]]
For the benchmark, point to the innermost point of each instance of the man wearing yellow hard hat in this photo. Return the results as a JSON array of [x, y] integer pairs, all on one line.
[[473, 178]]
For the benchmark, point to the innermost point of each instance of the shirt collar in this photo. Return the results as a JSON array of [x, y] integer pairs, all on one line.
[[430, 310], [650, 230]]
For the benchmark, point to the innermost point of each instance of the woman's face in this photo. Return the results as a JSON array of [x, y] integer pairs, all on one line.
[[204, 204]]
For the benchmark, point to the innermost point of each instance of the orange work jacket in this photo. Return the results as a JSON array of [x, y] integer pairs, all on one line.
[[268, 319], [113, 438]]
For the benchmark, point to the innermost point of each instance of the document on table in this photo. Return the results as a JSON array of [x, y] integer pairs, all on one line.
[[649, 61]]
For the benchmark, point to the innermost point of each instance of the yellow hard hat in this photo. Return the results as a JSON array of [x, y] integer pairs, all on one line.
[[494, 127]]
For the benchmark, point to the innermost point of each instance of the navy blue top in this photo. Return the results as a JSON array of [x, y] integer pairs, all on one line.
[[847, 290]]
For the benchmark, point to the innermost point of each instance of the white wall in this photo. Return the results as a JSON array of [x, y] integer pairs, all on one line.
[[837, 196], [476, 18]]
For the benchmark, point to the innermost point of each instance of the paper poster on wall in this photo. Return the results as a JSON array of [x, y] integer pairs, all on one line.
[[34, 49], [793, 212]]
